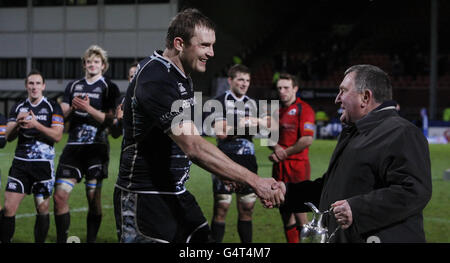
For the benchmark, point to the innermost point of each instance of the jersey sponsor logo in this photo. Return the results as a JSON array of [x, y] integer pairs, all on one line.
[[24, 109], [78, 87], [41, 117], [292, 112], [90, 95], [2, 130]]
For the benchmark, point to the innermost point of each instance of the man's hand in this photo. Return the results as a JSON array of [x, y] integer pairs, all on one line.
[[342, 213], [280, 189], [79, 103], [27, 121], [119, 112], [279, 154]]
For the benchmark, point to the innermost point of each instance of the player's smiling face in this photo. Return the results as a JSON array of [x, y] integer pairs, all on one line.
[[35, 87], [196, 53], [239, 84], [94, 66]]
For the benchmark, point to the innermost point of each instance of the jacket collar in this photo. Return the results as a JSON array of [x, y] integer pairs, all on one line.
[[374, 117]]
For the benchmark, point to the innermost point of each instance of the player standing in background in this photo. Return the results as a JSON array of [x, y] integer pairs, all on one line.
[[88, 105], [238, 148], [290, 155], [37, 123]]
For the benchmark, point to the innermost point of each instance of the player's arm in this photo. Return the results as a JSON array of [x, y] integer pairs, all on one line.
[[301, 144], [12, 130], [98, 115], [53, 133], [66, 109], [209, 157], [13, 125]]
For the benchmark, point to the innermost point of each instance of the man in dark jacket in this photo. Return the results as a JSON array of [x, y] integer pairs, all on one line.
[[379, 177]]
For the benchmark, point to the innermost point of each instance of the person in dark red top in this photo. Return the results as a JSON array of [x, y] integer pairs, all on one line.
[[290, 155]]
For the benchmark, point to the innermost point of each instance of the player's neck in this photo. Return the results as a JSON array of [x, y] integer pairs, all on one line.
[[35, 101], [173, 56], [92, 78], [289, 103]]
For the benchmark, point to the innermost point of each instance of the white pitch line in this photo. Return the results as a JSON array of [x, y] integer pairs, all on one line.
[[74, 210]]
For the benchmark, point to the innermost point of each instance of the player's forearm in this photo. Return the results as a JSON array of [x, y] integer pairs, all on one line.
[[53, 133], [98, 116], [301, 144], [12, 130]]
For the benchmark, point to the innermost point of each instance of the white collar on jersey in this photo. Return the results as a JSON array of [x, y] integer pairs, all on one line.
[[234, 96], [167, 63], [36, 104]]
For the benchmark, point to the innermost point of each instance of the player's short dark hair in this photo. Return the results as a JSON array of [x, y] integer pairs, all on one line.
[[34, 72], [372, 78], [289, 77], [184, 23], [232, 72]]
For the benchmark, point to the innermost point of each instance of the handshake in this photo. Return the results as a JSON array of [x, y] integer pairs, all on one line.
[[270, 192]]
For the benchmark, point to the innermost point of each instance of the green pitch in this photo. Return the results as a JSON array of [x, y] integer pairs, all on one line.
[[267, 226]]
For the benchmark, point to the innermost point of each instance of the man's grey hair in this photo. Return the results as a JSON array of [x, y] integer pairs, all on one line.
[[372, 78]]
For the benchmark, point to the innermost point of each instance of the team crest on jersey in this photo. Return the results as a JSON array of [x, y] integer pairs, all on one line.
[[292, 112], [182, 88], [97, 90], [43, 111]]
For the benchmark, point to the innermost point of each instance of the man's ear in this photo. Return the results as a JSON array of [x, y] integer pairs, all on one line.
[[178, 43], [366, 97]]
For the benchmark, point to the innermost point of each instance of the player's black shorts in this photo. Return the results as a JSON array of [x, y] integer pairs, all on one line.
[[249, 162], [90, 160], [26, 177], [159, 218]]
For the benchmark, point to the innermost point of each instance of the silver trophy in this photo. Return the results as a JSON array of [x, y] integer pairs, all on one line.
[[315, 231]]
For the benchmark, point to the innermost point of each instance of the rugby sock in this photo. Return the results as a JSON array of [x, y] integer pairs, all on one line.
[[93, 224], [7, 229], [41, 227], [62, 223], [292, 234], [245, 231], [218, 231]]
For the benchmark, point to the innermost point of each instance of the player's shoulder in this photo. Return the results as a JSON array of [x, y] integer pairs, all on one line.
[[305, 106], [51, 102], [76, 83]]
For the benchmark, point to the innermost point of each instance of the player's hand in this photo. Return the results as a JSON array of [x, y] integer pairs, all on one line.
[[80, 103], [269, 192], [273, 158], [343, 213], [119, 112], [280, 153], [29, 121]]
